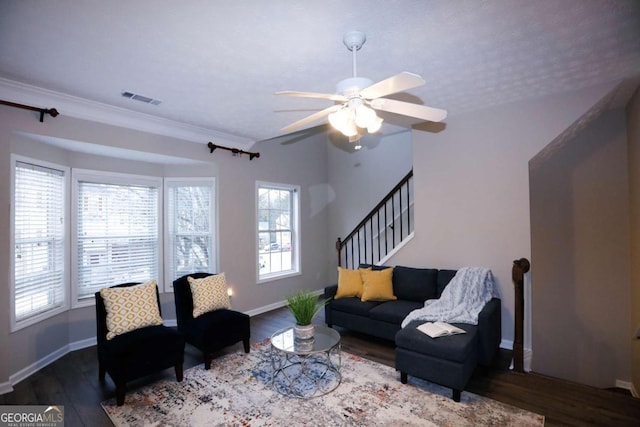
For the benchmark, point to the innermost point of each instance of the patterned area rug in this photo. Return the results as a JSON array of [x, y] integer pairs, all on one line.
[[237, 391]]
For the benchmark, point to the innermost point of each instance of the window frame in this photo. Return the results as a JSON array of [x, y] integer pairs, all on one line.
[[171, 182], [16, 324], [113, 178], [294, 227]]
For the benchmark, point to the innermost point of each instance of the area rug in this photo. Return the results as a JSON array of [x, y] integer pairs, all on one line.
[[237, 391]]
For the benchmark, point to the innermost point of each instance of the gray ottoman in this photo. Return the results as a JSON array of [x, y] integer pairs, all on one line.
[[448, 361]]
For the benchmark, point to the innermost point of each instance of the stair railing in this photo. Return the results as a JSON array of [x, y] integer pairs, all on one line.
[[381, 230]]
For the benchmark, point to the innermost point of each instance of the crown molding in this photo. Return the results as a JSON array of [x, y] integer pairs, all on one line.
[[85, 109]]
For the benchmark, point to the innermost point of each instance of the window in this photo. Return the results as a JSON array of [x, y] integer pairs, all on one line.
[[278, 238], [191, 227], [116, 236], [38, 220]]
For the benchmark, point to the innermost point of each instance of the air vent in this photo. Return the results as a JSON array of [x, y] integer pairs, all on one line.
[[141, 98]]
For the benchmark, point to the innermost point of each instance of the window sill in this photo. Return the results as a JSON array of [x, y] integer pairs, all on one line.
[[277, 276]]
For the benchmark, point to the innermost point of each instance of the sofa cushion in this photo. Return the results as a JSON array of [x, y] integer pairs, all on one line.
[[415, 284], [349, 283], [353, 306], [455, 348], [444, 277], [377, 285], [393, 311]]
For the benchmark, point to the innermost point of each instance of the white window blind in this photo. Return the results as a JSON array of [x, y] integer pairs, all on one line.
[[117, 235], [39, 278], [277, 230], [190, 227]]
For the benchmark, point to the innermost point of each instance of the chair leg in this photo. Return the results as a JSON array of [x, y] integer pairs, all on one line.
[[403, 377], [179, 372], [456, 395], [121, 389], [101, 373], [207, 361], [245, 342]]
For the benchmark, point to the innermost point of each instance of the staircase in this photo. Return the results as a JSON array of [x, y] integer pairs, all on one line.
[[383, 231]]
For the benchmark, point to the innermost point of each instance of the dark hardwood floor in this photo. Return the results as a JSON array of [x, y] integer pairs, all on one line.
[[72, 381]]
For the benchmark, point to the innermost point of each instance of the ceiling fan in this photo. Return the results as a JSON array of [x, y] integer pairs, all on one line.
[[357, 97]]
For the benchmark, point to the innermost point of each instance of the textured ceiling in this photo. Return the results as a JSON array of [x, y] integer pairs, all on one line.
[[216, 64]]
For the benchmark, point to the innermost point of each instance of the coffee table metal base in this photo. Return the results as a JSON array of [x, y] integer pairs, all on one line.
[[306, 376]]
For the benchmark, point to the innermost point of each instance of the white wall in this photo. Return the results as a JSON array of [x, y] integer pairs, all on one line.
[[472, 189]]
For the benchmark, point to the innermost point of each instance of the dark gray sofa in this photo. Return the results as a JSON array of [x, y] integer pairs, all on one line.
[[447, 360]]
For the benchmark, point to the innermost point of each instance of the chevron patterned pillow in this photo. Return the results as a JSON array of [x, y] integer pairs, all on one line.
[[131, 308], [209, 293]]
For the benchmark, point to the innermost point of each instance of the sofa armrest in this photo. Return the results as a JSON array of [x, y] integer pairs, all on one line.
[[329, 293], [489, 331]]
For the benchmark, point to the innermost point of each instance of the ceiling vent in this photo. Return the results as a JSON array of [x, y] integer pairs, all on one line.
[[141, 98]]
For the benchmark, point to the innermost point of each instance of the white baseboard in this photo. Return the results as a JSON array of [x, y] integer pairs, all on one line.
[[275, 305], [527, 354], [264, 309], [627, 385], [6, 387]]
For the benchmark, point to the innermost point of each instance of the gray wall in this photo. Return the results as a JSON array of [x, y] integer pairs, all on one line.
[[301, 164], [580, 249], [633, 138], [471, 187]]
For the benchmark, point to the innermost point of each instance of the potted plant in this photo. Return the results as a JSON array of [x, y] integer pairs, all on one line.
[[304, 306]]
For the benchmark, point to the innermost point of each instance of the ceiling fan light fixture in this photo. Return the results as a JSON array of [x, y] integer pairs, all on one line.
[[358, 98], [339, 119], [365, 116], [350, 129], [375, 125], [354, 115]]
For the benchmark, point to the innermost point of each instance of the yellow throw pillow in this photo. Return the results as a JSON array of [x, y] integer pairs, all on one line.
[[130, 308], [209, 293], [377, 285], [349, 283]]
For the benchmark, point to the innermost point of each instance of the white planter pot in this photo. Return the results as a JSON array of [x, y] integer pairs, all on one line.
[[303, 332]]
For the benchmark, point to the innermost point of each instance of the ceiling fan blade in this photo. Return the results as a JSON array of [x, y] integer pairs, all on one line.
[[408, 109], [312, 118], [333, 97], [398, 83]]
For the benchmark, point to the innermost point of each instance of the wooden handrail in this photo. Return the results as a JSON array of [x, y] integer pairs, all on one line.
[[376, 209], [365, 228]]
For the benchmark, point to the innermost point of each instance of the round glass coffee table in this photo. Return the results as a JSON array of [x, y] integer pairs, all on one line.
[[306, 368]]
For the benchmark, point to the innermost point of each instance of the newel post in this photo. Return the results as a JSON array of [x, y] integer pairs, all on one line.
[[520, 268]]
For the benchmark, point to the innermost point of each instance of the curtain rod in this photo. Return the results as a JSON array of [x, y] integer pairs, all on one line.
[[51, 111], [235, 151]]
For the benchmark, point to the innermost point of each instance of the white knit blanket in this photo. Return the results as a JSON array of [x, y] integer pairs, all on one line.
[[461, 301]]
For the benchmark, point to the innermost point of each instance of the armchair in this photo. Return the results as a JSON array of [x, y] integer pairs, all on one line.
[[213, 330], [138, 352]]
